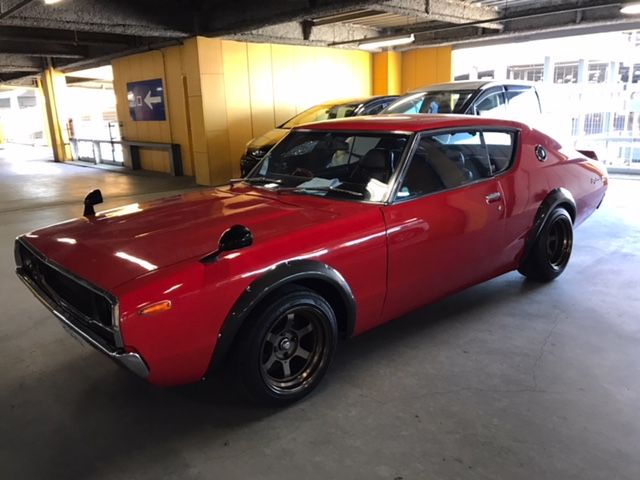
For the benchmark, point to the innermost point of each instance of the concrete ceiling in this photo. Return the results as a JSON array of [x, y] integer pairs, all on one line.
[[75, 34]]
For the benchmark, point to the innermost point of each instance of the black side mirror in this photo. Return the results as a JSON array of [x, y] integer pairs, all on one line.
[[93, 198], [234, 238]]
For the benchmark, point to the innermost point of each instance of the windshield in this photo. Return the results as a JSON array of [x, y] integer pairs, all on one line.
[[347, 165], [453, 101], [322, 112]]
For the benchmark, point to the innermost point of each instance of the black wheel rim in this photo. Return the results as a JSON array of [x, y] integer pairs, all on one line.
[[294, 350], [559, 243]]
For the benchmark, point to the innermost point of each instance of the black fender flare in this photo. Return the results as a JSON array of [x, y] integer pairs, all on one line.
[[558, 196], [276, 277]]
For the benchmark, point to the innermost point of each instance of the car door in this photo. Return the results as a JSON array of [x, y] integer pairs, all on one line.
[[445, 228]]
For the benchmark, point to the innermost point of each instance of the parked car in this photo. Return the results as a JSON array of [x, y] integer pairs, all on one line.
[[259, 146], [343, 226], [505, 100]]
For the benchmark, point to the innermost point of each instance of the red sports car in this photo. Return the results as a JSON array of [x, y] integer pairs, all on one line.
[[343, 226]]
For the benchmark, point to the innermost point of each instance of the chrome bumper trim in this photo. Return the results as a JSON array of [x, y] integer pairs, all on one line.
[[131, 361]]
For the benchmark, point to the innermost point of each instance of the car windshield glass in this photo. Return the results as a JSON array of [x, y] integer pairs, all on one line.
[[322, 112], [452, 101], [356, 166]]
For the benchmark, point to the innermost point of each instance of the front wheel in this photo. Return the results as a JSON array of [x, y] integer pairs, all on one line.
[[552, 249], [285, 350]]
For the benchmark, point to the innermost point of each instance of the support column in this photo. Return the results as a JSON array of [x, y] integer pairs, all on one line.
[[549, 70], [53, 87], [387, 73]]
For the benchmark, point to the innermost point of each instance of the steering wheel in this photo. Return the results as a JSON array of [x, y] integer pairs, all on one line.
[[303, 172]]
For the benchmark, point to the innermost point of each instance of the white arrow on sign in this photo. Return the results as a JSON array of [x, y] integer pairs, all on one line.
[[149, 100]]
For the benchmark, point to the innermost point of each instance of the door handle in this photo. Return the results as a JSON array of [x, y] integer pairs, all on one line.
[[493, 197]]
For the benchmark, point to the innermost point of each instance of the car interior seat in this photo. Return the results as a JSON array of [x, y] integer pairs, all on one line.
[[377, 163], [459, 161], [444, 107], [447, 170]]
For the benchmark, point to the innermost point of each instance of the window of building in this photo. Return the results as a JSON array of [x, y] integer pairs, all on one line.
[[597, 72], [566, 73], [529, 73]]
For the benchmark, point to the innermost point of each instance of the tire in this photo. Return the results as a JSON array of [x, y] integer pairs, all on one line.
[[285, 349], [552, 249]]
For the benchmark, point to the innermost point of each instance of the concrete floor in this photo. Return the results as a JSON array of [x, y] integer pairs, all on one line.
[[509, 379]]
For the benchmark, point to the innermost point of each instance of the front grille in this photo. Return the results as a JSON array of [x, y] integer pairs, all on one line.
[[91, 309]]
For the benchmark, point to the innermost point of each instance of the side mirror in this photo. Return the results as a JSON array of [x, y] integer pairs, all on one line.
[[93, 198], [234, 238]]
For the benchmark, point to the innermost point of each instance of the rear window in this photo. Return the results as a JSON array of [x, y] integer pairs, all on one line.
[[452, 101]]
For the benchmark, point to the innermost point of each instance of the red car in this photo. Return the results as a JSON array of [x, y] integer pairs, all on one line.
[[344, 226]]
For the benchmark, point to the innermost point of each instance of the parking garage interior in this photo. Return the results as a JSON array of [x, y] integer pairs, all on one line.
[[144, 100]]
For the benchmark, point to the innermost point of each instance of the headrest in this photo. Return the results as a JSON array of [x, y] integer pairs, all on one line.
[[376, 159]]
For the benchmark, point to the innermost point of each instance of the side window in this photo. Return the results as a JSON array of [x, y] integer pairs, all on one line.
[[500, 147], [445, 161], [493, 105], [377, 108]]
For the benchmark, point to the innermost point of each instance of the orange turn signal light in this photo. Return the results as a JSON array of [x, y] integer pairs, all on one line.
[[157, 307]]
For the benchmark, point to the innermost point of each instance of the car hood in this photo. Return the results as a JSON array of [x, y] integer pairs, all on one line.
[[118, 245], [268, 139]]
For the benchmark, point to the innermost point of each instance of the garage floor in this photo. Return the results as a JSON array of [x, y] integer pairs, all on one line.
[[509, 379]]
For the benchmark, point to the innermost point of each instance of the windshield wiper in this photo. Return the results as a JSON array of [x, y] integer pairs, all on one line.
[[233, 181], [321, 189]]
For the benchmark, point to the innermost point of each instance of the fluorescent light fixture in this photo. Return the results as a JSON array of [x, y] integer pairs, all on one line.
[[387, 42], [631, 9], [50, 2]]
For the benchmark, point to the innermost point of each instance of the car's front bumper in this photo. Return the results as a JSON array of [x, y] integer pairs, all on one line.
[[73, 325]]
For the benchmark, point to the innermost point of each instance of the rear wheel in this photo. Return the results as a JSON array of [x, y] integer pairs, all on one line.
[[285, 350], [552, 249]]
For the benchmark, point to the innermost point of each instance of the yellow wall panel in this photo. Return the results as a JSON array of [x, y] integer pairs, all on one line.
[[261, 87], [284, 83], [213, 101], [425, 66], [237, 101]]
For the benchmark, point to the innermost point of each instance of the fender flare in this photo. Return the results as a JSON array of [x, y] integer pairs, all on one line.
[[558, 196], [276, 277]]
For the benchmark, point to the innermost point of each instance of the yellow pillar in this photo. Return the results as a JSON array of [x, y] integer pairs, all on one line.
[[387, 73], [53, 86]]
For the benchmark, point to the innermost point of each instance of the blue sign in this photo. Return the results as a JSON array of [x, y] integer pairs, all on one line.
[[146, 100]]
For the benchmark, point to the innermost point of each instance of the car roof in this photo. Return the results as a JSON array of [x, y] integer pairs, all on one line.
[[407, 123], [356, 101], [468, 85]]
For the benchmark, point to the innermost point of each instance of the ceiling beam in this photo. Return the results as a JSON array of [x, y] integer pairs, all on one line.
[[14, 8], [448, 11], [19, 63], [301, 33], [65, 37], [43, 49], [531, 24]]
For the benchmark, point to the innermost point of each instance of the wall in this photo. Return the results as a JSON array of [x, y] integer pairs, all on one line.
[[220, 94], [425, 66]]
